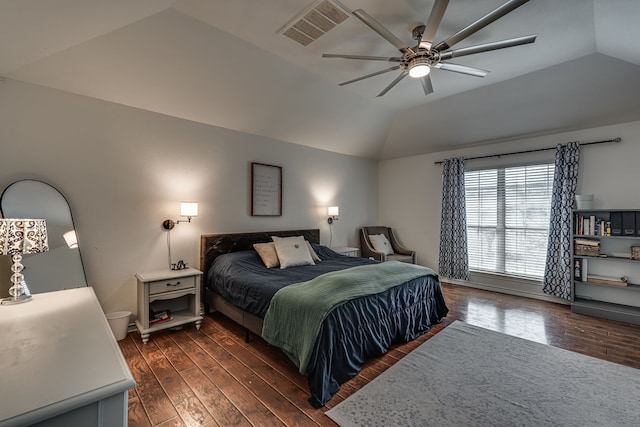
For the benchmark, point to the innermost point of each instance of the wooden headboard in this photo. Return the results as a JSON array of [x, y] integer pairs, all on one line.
[[213, 245]]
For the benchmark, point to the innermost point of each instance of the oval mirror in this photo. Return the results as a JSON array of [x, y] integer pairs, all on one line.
[[61, 267]]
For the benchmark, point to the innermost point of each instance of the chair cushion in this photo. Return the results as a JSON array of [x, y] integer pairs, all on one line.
[[377, 230], [401, 258], [381, 244]]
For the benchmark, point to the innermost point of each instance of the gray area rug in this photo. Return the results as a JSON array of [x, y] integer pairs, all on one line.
[[469, 376]]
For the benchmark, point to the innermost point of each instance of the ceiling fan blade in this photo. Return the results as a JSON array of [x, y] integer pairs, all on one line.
[[378, 28], [369, 58], [377, 73], [479, 24], [463, 69], [427, 86], [486, 47], [435, 17], [393, 83]]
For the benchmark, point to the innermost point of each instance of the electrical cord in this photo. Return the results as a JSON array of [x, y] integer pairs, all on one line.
[[169, 247], [330, 234]]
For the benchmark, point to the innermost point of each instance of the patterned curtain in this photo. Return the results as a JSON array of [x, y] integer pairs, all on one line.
[[558, 273], [454, 262]]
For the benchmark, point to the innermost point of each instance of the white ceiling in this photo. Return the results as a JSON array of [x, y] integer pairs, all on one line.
[[224, 63]]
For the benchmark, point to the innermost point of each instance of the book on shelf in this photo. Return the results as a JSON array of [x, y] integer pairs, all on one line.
[[603, 280], [591, 226], [157, 321], [160, 317], [580, 269], [586, 242]]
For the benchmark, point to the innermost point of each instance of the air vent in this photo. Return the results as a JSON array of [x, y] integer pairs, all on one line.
[[315, 21]]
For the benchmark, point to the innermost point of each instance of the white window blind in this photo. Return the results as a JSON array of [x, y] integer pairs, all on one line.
[[508, 219]]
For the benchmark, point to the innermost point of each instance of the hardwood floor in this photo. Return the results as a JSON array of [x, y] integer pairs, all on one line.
[[211, 377]]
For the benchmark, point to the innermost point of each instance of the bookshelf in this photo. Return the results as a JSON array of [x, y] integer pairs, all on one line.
[[606, 276]]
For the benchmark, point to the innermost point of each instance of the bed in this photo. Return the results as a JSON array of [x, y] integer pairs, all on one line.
[[402, 304]]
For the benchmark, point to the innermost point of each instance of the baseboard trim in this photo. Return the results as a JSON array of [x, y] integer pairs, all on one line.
[[509, 291]]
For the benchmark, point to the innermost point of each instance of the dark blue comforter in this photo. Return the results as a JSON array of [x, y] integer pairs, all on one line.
[[354, 331], [242, 279]]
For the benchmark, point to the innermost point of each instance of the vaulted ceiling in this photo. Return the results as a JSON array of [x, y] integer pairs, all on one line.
[[227, 63]]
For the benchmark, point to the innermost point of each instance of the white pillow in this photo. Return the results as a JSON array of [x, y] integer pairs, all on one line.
[[292, 251], [381, 244], [314, 255]]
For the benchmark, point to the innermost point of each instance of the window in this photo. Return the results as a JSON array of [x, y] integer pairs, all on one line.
[[508, 219]]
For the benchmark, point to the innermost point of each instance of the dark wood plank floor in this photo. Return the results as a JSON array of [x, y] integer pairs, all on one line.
[[211, 377]]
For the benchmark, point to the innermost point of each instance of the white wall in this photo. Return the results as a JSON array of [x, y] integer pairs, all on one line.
[[125, 170], [410, 189]]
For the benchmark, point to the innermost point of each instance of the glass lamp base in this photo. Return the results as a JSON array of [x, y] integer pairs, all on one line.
[[18, 293], [16, 300]]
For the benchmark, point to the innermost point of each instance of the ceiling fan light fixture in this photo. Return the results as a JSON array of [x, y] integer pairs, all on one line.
[[417, 61], [419, 70]]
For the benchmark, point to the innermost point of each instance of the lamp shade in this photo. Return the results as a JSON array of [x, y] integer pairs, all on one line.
[[71, 238], [333, 211], [18, 237], [188, 209], [23, 236]]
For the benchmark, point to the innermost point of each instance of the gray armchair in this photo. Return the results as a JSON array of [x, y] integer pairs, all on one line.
[[368, 251]]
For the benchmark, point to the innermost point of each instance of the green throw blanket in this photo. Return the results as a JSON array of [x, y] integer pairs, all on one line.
[[296, 312]]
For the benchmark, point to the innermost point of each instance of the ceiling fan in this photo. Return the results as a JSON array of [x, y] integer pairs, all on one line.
[[418, 61]]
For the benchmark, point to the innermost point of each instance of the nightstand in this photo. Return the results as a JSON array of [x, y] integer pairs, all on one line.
[[174, 292], [346, 250]]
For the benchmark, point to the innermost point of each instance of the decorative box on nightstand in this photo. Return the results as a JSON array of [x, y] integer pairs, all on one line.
[[166, 299], [346, 250]]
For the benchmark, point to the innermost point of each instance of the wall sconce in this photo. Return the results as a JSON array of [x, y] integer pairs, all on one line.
[[333, 212], [187, 209], [17, 237], [71, 239]]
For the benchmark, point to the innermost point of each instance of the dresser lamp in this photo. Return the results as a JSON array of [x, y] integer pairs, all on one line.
[[18, 237]]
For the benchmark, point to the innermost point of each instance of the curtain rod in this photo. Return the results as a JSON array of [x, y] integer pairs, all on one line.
[[532, 151]]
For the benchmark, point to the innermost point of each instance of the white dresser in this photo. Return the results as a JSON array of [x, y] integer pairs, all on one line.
[[60, 363]]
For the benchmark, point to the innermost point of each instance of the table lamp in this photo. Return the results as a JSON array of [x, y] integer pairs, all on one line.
[[17, 237]]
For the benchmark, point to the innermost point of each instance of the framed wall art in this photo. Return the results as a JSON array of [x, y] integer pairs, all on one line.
[[266, 190]]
